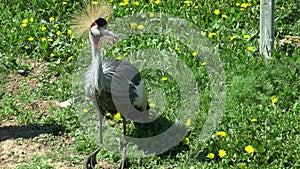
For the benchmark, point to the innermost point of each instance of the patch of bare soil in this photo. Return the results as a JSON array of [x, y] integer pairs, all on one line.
[[17, 152], [40, 106], [14, 82], [20, 143]]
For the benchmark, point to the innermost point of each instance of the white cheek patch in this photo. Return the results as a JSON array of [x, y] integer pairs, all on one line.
[[95, 31]]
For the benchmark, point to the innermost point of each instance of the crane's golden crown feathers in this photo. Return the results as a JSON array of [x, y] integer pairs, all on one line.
[[83, 18]]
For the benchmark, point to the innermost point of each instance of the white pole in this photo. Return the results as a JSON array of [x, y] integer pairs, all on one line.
[[267, 9]]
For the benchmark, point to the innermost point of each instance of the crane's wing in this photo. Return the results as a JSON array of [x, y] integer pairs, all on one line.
[[124, 84]]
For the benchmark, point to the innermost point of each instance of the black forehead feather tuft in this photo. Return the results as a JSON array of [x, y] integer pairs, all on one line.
[[101, 22]]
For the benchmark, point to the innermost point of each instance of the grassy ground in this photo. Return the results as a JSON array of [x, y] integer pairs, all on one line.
[[38, 55]]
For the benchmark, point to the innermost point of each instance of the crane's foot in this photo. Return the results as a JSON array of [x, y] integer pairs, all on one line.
[[91, 162], [124, 164]]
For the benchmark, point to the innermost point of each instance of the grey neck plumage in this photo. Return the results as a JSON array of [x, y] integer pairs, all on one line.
[[96, 65]]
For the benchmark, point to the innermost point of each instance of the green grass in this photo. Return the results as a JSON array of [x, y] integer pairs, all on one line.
[[251, 82]]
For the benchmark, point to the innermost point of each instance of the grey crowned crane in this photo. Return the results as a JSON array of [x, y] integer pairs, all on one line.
[[110, 84]]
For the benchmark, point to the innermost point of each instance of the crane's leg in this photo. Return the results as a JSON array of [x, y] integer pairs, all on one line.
[[124, 162], [91, 159]]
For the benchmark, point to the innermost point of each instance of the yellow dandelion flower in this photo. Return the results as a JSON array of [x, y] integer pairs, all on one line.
[[152, 105], [81, 45], [177, 49], [140, 27], [245, 5], [58, 33], [196, 7], [70, 58], [224, 16], [274, 99], [126, 2], [217, 12], [30, 39], [246, 36], [125, 54], [249, 149], [50, 39], [203, 63], [94, 2], [237, 4], [31, 19], [188, 2], [287, 36], [43, 28], [151, 14], [243, 165], [133, 25], [222, 153], [43, 39], [221, 133], [186, 140], [242, 9], [136, 3], [25, 21], [119, 58], [203, 33], [117, 116], [24, 25], [65, 3], [157, 2], [253, 120], [85, 110], [210, 155], [210, 35], [188, 122], [194, 54], [51, 19], [164, 78], [249, 48], [70, 32], [122, 4], [52, 54], [233, 37]]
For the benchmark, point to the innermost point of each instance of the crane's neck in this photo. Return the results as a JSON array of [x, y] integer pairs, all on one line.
[[97, 63]]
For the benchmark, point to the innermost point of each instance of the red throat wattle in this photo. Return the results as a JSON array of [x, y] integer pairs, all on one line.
[[96, 40], [97, 45]]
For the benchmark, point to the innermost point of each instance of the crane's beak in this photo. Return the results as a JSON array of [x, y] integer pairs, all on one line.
[[105, 31]]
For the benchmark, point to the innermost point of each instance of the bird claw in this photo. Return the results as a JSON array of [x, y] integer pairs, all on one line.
[[124, 164], [91, 162]]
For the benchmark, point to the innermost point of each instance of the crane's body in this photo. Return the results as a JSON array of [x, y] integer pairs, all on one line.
[[103, 92], [109, 83]]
